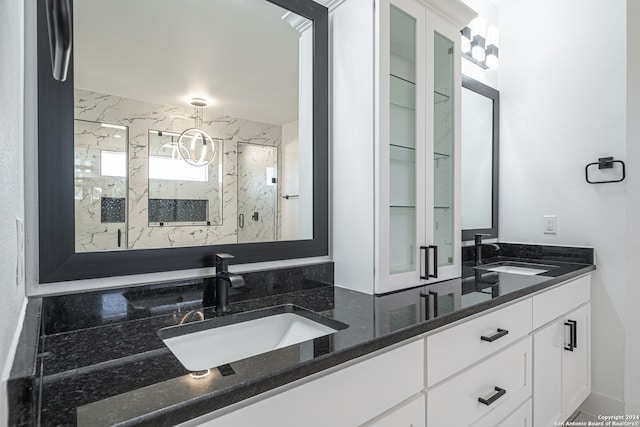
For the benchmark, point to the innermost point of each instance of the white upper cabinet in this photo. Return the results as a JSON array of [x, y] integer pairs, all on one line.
[[396, 142]]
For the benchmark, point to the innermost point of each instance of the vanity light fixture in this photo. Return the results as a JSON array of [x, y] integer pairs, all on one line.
[[479, 44], [195, 146]]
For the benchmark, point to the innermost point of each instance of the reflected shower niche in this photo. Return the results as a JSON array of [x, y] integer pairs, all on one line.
[[181, 194]]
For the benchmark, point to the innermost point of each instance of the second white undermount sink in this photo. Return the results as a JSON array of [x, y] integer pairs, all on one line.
[[218, 341], [526, 271], [512, 267]]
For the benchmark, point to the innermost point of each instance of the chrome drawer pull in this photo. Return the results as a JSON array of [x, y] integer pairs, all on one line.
[[492, 338], [499, 393]]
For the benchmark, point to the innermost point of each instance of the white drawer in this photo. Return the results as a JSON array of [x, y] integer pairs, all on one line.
[[521, 417], [552, 304], [456, 348], [410, 414], [455, 401]]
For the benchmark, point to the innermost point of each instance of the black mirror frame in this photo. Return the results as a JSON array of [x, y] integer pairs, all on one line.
[[494, 95], [58, 260]]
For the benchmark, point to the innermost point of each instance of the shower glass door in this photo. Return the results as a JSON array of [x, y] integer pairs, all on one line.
[[257, 193]]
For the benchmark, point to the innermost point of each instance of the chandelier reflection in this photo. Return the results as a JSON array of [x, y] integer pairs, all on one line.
[[195, 146]]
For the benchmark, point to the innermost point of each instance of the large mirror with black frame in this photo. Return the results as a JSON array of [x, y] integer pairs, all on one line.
[[480, 122], [180, 128]]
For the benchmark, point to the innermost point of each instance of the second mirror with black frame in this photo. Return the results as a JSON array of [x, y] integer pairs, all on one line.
[[480, 159]]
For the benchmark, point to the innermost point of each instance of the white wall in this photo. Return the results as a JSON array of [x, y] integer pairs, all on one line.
[[562, 87], [632, 318], [11, 182]]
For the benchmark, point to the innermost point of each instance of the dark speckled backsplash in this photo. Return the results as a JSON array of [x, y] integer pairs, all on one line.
[[66, 313], [533, 252]]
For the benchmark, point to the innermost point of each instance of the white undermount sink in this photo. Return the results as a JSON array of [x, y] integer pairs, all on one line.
[[221, 340], [527, 271], [516, 268]]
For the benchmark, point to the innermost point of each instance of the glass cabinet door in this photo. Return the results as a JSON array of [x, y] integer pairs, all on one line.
[[443, 150], [402, 142]]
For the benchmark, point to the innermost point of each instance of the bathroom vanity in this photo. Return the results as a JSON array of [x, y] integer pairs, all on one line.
[[97, 358]]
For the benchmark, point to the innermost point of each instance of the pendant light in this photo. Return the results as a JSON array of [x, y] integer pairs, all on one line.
[[195, 146]]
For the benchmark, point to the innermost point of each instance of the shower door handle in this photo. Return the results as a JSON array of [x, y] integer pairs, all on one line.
[[241, 220]]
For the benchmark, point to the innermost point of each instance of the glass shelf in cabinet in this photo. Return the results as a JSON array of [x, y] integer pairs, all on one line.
[[402, 79], [440, 97], [402, 93]]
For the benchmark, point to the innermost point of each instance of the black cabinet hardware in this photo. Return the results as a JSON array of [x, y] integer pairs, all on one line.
[[499, 393], [573, 335], [499, 334], [254, 216], [119, 237], [427, 275], [60, 36]]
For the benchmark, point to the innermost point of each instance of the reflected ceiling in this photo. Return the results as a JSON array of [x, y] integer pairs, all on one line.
[[167, 51]]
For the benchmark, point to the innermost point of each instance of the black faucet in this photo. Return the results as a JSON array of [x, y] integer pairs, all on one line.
[[216, 289], [479, 245]]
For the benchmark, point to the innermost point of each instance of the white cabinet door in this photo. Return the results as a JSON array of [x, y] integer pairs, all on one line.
[[547, 374], [411, 414], [561, 367], [576, 364], [443, 219], [348, 397], [401, 143]]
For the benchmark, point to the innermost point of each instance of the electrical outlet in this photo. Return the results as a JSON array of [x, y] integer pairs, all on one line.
[[19, 252], [550, 224]]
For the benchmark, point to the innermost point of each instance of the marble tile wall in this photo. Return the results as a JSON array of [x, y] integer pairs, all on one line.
[[91, 186], [140, 117]]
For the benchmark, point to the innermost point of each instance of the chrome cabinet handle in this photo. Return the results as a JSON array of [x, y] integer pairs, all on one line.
[[499, 393], [499, 334], [241, 220], [59, 23]]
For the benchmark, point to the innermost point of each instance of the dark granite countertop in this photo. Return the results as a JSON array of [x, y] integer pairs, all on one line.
[[101, 361]]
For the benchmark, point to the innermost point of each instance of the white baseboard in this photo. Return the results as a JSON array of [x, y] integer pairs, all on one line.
[[598, 404], [632, 408]]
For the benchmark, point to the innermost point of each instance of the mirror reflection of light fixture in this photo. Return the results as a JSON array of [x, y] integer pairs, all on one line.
[[479, 44], [174, 147], [195, 146]]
